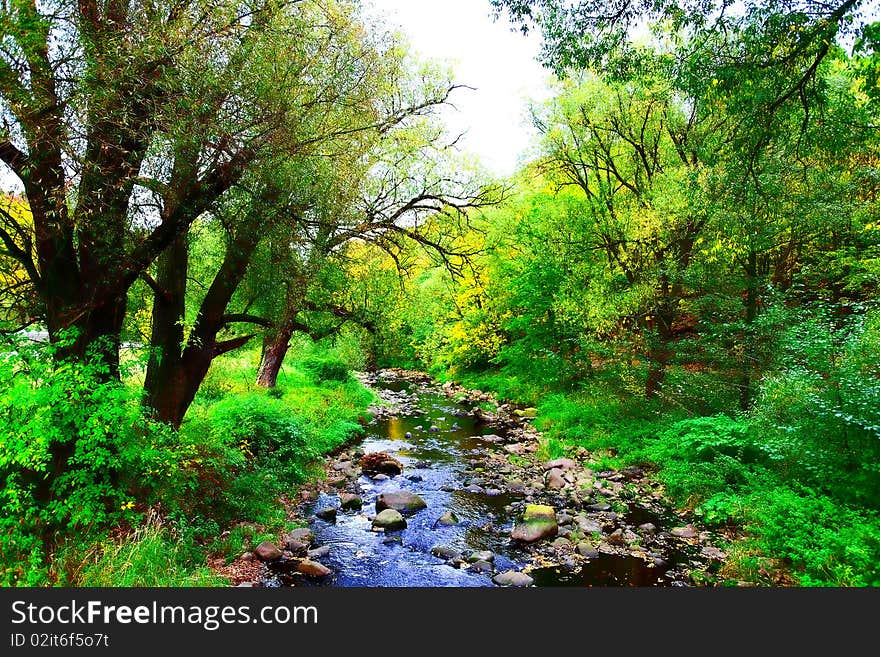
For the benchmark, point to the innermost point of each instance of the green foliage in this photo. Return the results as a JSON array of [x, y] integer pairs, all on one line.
[[326, 369], [150, 556]]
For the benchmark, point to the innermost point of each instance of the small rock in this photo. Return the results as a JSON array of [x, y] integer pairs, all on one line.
[[434, 428], [247, 556], [714, 553], [648, 528], [587, 550], [422, 465], [328, 514], [415, 477], [481, 555], [319, 552], [616, 537], [561, 544], [600, 507], [311, 568], [389, 520], [445, 553], [394, 539], [380, 477], [481, 567], [516, 486], [342, 465], [337, 482], [408, 434], [446, 520], [687, 531], [659, 563], [473, 488], [302, 534], [555, 480], [493, 492], [448, 488], [513, 578], [560, 464], [296, 547], [350, 501], [267, 551]]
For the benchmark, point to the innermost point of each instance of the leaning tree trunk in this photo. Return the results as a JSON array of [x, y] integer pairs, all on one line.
[[748, 348], [175, 371], [275, 346]]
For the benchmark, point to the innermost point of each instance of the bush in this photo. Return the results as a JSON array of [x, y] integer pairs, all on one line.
[[326, 369], [78, 454], [264, 429]]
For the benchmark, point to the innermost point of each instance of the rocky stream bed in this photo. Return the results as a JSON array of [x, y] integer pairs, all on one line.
[[445, 489]]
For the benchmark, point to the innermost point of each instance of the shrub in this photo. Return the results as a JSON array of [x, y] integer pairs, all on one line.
[[326, 369]]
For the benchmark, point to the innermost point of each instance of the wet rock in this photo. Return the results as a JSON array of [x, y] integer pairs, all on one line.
[[337, 482], [559, 464], [408, 435], [311, 568], [659, 563], [350, 501], [538, 522], [616, 538], [632, 472], [328, 514], [402, 501], [561, 544], [588, 525], [448, 519], [390, 468], [267, 551], [492, 438], [555, 480], [599, 507], [473, 488], [394, 539], [247, 556], [587, 550], [648, 528], [445, 553], [380, 463], [415, 477], [513, 578], [516, 486], [493, 492], [380, 477], [434, 428], [448, 488], [342, 465], [481, 567], [456, 562], [302, 534], [422, 465], [389, 520], [481, 555], [688, 532], [296, 547], [713, 553], [320, 552]]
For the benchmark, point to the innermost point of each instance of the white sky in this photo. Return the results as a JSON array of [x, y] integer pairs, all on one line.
[[485, 54]]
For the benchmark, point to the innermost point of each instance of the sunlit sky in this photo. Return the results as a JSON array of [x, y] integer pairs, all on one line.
[[485, 54]]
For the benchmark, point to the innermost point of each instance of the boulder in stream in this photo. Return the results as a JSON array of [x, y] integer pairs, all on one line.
[[538, 522], [402, 501], [513, 578], [389, 520]]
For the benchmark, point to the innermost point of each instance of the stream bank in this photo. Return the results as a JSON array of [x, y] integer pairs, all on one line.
[[465, 501]]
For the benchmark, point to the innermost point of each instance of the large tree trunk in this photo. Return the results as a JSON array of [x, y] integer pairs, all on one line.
[[165, 380], [175, 372], [275, 348]]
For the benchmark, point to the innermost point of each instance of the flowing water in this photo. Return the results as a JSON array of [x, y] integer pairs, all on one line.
[[438, 442]]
